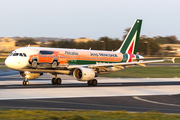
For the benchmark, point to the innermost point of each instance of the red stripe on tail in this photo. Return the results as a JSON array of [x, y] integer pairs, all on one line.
[[130, 51]]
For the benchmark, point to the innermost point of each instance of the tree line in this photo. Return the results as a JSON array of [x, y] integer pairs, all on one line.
[[147, 46], [110, 44]]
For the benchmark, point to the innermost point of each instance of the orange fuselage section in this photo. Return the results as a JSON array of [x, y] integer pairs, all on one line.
[[64, 56], [47, 58]]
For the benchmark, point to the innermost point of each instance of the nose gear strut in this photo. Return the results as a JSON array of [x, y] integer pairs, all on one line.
[[26, 82]]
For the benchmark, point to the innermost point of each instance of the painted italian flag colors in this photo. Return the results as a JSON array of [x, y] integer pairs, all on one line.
[[130, 43]]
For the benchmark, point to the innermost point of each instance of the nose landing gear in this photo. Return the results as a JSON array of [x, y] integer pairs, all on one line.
[[25, 82], [26, 76]]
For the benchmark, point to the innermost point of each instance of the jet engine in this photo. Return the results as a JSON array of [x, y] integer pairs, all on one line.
[[29, 75], [84, 74]]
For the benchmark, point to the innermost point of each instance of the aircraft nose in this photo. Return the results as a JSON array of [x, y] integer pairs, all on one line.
[[16, 62], [9, 62]]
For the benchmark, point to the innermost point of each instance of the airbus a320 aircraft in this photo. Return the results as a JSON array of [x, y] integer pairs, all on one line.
[[84, 65]]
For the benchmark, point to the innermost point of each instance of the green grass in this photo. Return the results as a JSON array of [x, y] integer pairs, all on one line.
[[83, 115], [3, 67], [177, 60], [143, 72], [2, 59]]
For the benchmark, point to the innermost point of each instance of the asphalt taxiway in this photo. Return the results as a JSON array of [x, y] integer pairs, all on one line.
[[131, 94]]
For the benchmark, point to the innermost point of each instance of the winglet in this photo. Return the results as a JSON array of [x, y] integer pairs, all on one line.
[[173, 59]]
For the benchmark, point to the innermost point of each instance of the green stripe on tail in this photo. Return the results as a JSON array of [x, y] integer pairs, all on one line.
[[130, 43]]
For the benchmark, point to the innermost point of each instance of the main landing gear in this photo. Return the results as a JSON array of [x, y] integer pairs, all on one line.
[[56, 81], [92, 82]]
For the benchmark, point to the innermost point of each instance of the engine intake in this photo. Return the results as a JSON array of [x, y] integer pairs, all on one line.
[[84, 74]]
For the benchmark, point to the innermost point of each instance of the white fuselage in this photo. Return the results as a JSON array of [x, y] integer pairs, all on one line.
[[19, 58]]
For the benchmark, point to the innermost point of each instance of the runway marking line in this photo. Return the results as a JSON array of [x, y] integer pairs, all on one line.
[[137, 98]]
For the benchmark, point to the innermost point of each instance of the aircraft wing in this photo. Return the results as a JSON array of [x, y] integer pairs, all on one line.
[[100, 65], [119, 65], [141, 63], [166, 59]]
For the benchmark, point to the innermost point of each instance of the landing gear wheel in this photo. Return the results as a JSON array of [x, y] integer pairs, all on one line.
[[54, 64], [94, 82], [25, 82], [58, 81], [34, 64], [89, 82], [53, 81]]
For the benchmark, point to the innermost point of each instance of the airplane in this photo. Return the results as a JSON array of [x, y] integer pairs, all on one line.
[[84, 65]]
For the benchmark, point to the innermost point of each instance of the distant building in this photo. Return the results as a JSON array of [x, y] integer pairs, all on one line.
[[175, 48], [82, 40]]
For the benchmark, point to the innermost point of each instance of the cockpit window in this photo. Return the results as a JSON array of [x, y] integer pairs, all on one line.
[[20, 54], [11, 54], [15, 54], [24, 55]]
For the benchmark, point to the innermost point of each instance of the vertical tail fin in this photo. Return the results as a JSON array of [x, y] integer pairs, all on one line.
[[130, 43]]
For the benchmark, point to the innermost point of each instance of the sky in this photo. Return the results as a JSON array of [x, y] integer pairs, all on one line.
[[88, 18]]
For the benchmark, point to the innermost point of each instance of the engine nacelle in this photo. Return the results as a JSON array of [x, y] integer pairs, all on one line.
[[30, 75], [84, 74]]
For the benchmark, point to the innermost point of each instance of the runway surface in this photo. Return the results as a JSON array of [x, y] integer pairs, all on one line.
[[131, 94]]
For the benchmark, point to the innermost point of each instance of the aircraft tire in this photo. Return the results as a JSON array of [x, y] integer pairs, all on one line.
[[25, 82], [89, 83], [53, 81], [58, 81], [54, 64], [94, 82]]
